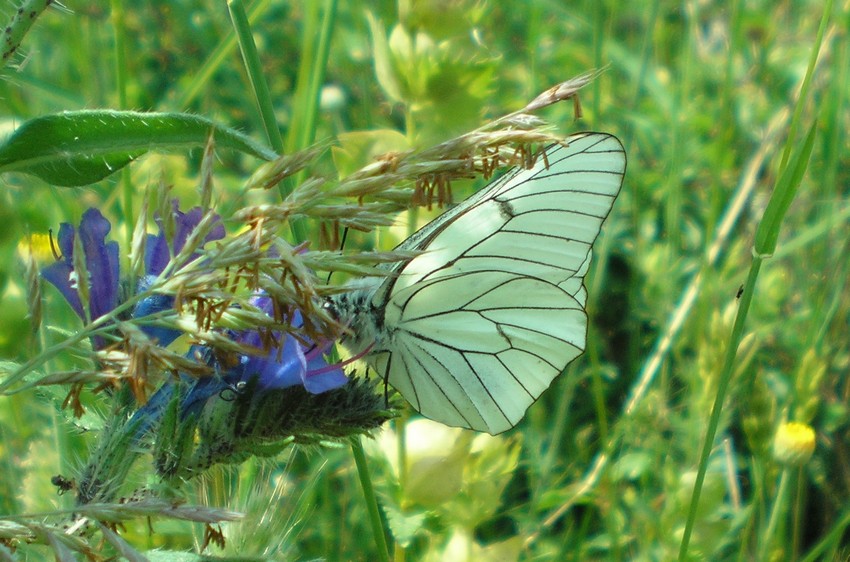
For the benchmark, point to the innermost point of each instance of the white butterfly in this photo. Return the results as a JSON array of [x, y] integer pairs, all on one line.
[[475, 328]]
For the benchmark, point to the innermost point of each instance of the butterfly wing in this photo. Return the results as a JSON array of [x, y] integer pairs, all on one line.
[[479, 324]]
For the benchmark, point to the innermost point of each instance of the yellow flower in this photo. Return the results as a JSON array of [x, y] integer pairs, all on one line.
[[436, 456], [37, 246], [793, 443]]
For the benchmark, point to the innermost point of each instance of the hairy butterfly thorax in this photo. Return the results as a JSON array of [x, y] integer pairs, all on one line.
[[356, 310]]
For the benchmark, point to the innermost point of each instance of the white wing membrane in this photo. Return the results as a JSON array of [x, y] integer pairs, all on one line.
[[523, 330], [478, 326]]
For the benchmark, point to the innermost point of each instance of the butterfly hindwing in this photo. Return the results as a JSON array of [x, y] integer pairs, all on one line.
[[487, 351]]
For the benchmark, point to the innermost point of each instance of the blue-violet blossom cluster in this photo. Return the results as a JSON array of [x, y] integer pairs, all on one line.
[[286, 364]]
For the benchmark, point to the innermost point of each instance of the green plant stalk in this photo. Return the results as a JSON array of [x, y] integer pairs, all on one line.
[[798, 512], [399, 553], [47, 92], [119, 31], [786, 189], [311, 75], [727, 126], [827, 307], [255, 73], [674, 176], [310, 107], [23, 20], [722, 387], [757, 508], [598, 391], [805, 88], [306, 68], [66, 462], [9, 470], [100, 326], [599, 267], [826, 311], [216, 59], [263, 97], [766, 236], [775, 514], [613, 524], [566, 395], [120, 36], [600, 16], [371, 500], [534, 16]]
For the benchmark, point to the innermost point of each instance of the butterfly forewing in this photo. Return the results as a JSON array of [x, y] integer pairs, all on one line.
[[475, 328]]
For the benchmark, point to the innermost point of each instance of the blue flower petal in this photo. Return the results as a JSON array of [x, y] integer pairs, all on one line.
[[157, 256], [319, 377], [186, 223], [101, 262], [66, 241], [101, 259], [291, 366], [317, 384], [157, 252], [151, 305], [154, 304], [281, 368], [59, 275]]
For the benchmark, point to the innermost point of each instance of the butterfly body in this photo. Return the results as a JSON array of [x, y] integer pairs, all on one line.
[[473, 329]]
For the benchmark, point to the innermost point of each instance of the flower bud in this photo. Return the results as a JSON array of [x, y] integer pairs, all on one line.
[[793, 443]]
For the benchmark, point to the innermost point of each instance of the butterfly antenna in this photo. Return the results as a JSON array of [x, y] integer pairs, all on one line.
[[341, 248], [386, 392]]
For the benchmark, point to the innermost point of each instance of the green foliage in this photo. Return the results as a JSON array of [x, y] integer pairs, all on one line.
[[262, 425], [725, 156], [83, 147], [442, 84]]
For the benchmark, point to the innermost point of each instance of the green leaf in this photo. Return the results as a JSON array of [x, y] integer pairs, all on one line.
[[81, 147], [786, 188], [633, 466], [384, 69], [404, 526]]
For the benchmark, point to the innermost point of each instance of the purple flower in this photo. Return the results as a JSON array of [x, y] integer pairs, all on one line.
[[157, 252], [101, 259], [289, 364], [157, 256], [283, 366], [297, 363]]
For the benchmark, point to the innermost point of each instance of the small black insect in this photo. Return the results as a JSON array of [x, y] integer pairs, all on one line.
[[63, 484]]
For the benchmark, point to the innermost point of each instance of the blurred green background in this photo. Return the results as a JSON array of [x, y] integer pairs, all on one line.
[[701, 95]]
